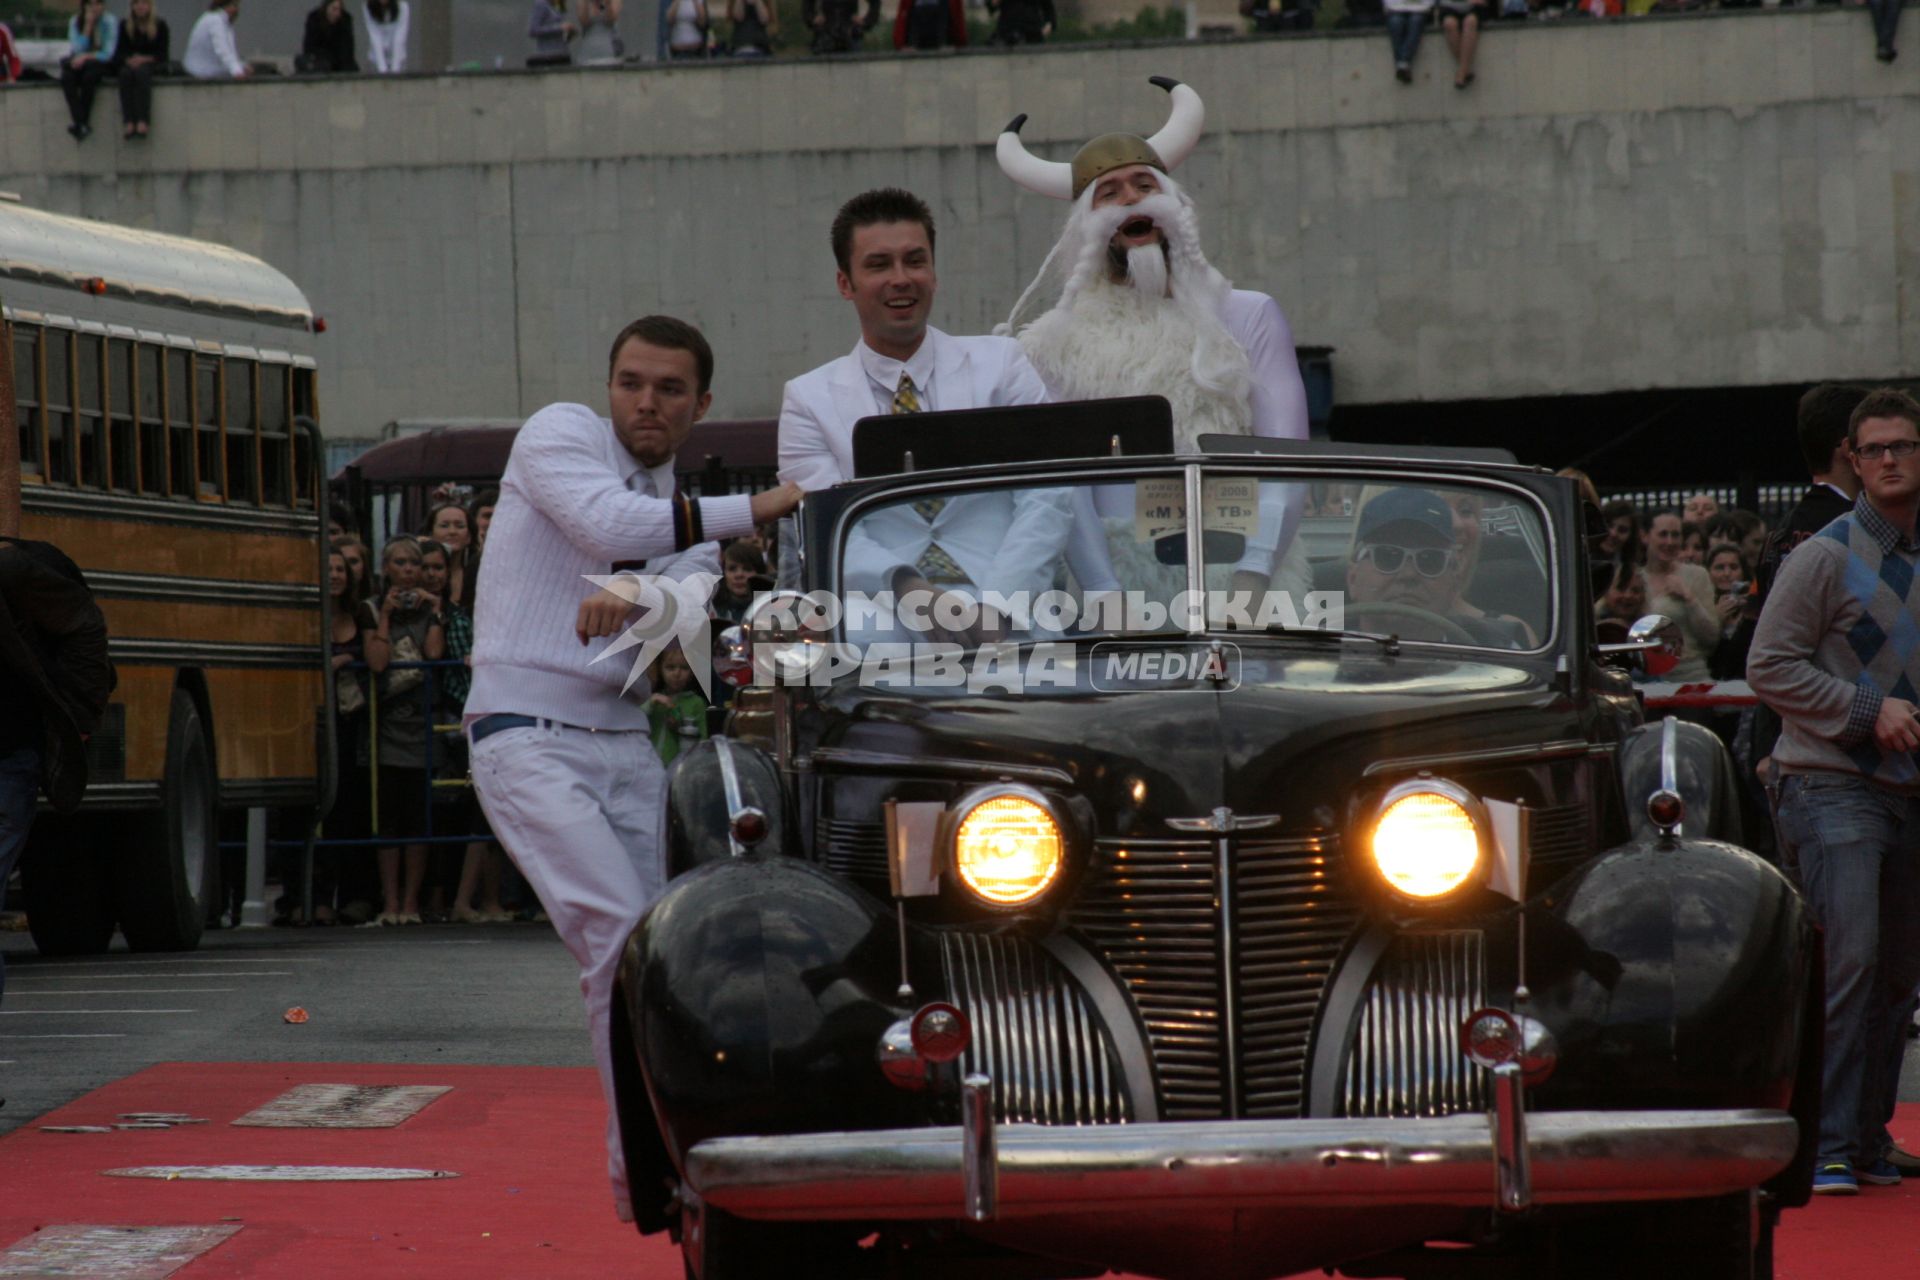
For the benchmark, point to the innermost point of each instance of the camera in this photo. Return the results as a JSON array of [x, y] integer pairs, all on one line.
[[409, 599]]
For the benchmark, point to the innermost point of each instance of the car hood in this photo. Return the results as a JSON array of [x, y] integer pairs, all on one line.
[[1291, 737]]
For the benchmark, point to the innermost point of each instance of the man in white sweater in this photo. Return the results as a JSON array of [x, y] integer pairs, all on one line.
[[561, 755], [211, 51]]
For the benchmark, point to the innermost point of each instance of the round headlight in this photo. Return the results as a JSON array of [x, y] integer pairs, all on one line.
[[1426, 842], [1008, 849]]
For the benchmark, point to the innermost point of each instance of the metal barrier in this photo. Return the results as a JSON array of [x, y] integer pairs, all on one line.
[[434, 784]]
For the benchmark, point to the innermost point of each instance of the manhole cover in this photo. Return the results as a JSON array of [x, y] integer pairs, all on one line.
[[108, 1253], [277, 1173], [344, 1106]]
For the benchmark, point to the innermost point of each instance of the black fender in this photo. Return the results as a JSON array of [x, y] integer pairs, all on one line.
[[1673, 974], [1703, 769], [698, 808], [757, 990]]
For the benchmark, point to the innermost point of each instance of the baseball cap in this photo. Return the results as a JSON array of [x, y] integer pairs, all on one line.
[[1407, 517]]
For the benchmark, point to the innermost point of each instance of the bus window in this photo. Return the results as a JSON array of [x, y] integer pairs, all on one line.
[[122, 452], [206, 418], [180, 421], [305, 483], [90, 424], [243, 457], [276, 475], [26, 395], [57, 396], [153, 422]]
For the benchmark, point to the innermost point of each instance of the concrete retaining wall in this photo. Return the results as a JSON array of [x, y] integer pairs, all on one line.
[[1725, 200]]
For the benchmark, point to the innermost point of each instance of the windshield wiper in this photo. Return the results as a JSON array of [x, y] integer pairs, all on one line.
[[1389, 643]]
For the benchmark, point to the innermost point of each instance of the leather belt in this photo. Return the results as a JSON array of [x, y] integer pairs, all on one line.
[[487, 726]]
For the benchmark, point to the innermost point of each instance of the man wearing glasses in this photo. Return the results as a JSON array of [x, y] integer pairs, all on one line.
[[1837, 655], [1405, 558]]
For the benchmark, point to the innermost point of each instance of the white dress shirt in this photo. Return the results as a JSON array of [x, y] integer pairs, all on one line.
[[568, 509], [884, 372], [211, 54]]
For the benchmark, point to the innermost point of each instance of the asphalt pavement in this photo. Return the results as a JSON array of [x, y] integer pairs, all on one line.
[[483, 995]]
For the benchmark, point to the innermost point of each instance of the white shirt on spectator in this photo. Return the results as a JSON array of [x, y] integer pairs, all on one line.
[[211, 54], [571, 506], [387, 41]]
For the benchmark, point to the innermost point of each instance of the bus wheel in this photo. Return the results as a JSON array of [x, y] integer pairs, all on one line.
[[69, 898], [171, 874]]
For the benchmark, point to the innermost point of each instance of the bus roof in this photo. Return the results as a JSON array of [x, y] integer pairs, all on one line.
[[145, 266], [479, 453]]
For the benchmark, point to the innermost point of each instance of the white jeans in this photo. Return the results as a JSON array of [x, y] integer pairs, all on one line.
[[581, 814]]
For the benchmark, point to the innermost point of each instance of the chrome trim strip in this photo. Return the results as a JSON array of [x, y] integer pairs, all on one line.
[[850, 760], [1196, 622], [730, 782], [979, 1168], [1510, 1139], [1229, 957], [1555, 750], [1669, 743], [161, 586], [134, 651], [1577, 1157]]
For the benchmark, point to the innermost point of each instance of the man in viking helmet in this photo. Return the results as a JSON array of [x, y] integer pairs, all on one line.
[[1126, 304]]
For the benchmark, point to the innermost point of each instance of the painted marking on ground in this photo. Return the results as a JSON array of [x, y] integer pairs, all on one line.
[[109, 1253], [276, 1173], [343, 1106]]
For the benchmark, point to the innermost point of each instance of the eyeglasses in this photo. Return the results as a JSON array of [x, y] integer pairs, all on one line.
[[1428, 562], [1893, 449]]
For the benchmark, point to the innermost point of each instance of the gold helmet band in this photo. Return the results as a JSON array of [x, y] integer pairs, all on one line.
[[1164, 150]]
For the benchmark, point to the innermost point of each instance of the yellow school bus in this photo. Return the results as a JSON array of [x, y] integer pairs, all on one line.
[[164, 435]]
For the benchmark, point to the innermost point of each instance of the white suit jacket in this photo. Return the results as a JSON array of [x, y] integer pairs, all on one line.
[[820, 406]]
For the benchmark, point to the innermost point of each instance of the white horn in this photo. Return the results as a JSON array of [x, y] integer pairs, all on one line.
[[1177, 137], [1047, 177]]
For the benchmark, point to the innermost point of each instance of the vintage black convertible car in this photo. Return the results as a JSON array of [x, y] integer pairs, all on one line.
[[1355, 922]]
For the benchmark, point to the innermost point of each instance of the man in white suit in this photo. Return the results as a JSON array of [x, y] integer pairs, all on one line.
[[883, 245]]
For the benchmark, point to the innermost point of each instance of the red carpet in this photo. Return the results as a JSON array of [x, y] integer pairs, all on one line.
[[529, 1202]]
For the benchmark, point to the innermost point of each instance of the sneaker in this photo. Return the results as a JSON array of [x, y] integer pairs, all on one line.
[[1880, 1173], [1902, 1159], [1835, 1180]]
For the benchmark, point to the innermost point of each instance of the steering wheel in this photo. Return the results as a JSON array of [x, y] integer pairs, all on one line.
[[1448, 628]]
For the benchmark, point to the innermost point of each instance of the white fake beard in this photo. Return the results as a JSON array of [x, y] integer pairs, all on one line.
[[1137, 338], [1147, 270]]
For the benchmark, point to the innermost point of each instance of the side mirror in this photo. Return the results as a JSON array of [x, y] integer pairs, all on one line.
[[1657, 640]]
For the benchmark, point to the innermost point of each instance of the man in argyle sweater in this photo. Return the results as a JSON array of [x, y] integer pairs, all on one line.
[[1837, 655]]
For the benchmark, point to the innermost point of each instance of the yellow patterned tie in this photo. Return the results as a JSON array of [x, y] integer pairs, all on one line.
[[904, 399], [935, 565]]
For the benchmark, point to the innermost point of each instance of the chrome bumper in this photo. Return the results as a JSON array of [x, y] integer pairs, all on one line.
[[1577, 1157]]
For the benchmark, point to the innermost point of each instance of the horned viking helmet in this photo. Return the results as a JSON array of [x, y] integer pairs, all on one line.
[[1164, 150]]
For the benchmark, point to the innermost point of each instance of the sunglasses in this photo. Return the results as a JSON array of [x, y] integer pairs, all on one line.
[[1428, 562]]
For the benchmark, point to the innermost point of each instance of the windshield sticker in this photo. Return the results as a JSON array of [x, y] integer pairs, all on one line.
[[1230, 504]]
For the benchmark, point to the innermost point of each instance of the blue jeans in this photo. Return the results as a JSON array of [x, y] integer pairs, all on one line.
[[1859, 851], [19, 788], [1886, 20], [1403, 30]]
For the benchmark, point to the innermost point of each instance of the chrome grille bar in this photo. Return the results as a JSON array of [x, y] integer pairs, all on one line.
[[1406, 1059], [1034, 1035]]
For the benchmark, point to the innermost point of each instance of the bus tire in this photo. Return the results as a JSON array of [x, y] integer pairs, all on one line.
[[172, 875], [69, 898]]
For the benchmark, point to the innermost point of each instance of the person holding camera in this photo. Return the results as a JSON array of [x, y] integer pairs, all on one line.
[[402, 628], [1736, 605]]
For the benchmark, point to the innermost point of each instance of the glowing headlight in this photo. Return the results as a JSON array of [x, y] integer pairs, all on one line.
[[1426, 842], [1008, 849]]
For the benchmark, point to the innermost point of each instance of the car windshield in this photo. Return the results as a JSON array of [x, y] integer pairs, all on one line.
[[1455, 563]]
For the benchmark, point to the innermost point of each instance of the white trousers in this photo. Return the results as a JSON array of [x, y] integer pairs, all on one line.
[[582, 815]]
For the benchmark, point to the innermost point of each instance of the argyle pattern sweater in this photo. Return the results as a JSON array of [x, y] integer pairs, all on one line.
[[1840, 633]]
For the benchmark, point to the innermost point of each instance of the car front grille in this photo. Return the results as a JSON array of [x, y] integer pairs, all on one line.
[[1405, 1059], [1034, 1034], [1226, 984], [857, 849]]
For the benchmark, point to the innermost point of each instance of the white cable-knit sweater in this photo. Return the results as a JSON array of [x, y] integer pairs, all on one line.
[[565, 512]]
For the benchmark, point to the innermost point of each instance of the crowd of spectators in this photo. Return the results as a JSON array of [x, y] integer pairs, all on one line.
[[587, 33], [406, 841]]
